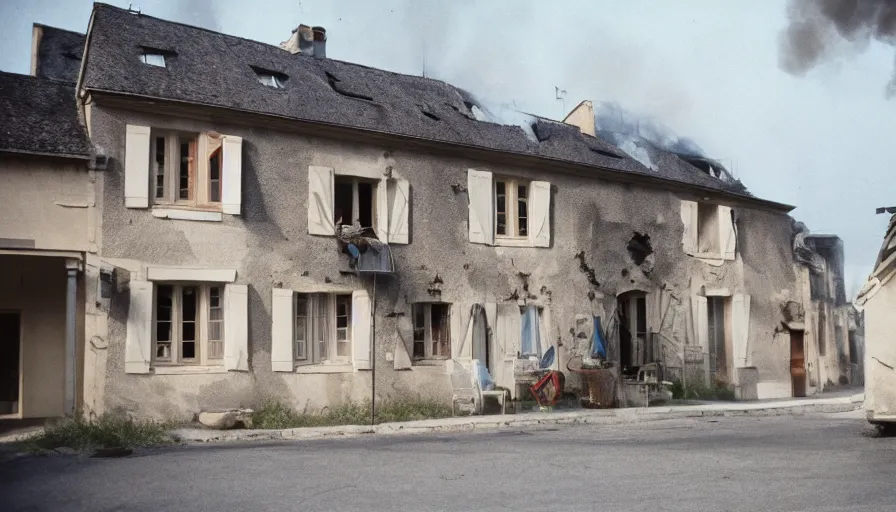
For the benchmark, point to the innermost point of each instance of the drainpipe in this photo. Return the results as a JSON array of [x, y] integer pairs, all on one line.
[[72, 268]]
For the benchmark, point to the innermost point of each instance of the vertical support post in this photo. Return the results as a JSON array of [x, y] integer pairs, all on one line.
[[72, 268], [373, 353]]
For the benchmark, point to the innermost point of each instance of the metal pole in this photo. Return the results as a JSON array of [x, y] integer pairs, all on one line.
[[373, 355]]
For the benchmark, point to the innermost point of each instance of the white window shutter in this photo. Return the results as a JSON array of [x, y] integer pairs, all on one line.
[[701, 320], [508, 330], [361, 329], [320, 201], [727, 234], [138, 345], [136, 167], [482, 212], [232, 175], [460, 325], [540, 214], [236, 327], [689, 219], [399, 207], [382, 211], [401, 356], [282, 322], [740, 325]]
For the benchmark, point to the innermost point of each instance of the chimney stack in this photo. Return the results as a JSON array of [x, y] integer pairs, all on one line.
[[301, 41], [320, 42]]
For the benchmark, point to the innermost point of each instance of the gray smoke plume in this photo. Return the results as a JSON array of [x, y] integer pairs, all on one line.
[[622, 125], [199, 13], [816, 27]]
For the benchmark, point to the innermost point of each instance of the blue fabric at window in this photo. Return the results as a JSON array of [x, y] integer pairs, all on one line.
[[599, 346], [531, 335]]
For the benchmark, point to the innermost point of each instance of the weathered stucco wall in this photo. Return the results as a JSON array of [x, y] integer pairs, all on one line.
[[43, 200], [269, 246]]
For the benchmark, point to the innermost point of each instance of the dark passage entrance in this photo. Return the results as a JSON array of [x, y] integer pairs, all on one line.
[[10, 347], [798, 363]]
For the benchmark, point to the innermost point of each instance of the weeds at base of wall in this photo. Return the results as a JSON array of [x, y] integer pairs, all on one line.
[[701, 392], [274, 414], [107, 432]]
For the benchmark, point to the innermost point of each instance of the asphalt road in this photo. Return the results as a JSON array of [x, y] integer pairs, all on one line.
[[730, 464]]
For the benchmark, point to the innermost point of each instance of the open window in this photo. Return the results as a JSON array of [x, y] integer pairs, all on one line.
[[709, 230], [183, 171], [530, 332], [508, 211], [381, 206], [354, 203], [432, 333]]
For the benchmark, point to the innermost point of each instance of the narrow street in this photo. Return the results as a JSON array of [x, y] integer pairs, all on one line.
[[818, 463]]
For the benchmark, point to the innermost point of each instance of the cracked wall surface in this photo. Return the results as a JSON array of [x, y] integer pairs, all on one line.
[[587, 266]]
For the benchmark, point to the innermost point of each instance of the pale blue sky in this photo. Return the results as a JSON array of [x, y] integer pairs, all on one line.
[[707, 69]]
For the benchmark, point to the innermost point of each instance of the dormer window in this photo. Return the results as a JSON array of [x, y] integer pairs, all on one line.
[[153, 59], [270, 80]]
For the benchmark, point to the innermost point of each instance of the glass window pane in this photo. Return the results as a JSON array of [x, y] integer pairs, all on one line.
[[164, 295], [214, 169], [522, 210], [184, 171], [188, 310], [160, 167]]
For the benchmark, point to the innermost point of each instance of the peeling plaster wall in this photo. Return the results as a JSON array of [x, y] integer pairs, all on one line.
[[269, 246]]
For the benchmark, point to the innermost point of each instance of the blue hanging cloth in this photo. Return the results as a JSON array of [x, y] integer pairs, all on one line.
[[598, 346]]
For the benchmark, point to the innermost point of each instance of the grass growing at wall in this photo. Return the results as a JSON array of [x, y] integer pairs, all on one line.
[[105, 432], [701, 391], [274, 414]]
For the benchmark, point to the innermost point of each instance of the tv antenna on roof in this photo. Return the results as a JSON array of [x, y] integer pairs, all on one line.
[[560, 94]]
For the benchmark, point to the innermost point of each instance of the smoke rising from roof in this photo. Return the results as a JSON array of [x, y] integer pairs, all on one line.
[[199, 13], [621, 126], [817, 27]]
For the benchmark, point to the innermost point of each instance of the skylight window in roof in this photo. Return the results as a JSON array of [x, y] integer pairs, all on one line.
[[153, 59], [270, 80]]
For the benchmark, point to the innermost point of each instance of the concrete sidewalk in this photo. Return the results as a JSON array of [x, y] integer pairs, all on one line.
[[795, 407]]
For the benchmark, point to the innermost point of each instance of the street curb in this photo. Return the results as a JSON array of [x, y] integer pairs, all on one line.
[[483, 423]]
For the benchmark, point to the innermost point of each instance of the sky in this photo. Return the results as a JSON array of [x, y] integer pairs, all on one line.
[[708, 70]]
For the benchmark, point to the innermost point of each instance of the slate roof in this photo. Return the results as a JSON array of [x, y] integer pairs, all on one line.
[[216, 69], [40, 116], [59, 53]]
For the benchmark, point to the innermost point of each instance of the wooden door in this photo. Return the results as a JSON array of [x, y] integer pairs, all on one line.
[[798, 362]]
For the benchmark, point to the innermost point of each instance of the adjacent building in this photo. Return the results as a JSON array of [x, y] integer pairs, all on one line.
[[47, 228], [273, 223]]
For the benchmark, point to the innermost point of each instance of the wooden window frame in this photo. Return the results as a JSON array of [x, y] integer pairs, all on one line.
[[428, 342], [319, 311], [204, 356], [202, 147], [511, 204]]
